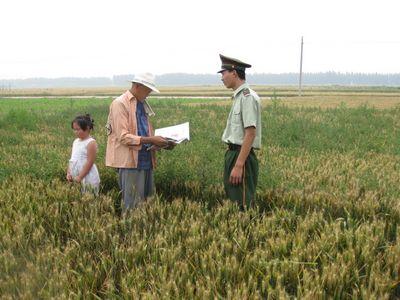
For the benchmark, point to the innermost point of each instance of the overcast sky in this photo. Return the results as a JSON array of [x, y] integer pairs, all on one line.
[[60, 38]]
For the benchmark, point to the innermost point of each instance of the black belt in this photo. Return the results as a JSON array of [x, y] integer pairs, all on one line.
[[235, 147]]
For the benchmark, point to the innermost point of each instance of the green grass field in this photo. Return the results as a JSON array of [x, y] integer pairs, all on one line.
[[324, 226]]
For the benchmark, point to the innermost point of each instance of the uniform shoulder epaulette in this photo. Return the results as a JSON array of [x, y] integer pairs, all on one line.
[[246, 92]]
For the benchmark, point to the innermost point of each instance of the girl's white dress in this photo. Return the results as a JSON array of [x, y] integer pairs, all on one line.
[[91, 181]]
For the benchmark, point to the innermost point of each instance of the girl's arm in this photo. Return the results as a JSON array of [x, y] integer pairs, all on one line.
[[69, 176], [91, 152]]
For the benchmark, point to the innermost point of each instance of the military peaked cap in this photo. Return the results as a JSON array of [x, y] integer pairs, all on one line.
[[229, 63]]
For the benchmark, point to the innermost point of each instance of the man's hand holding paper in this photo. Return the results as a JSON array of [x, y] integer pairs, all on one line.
[[174, 135]]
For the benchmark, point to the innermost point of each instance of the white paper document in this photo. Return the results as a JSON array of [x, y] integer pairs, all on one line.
[[177, 134]]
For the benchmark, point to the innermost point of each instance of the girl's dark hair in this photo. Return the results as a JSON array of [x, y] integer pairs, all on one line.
[[83, 121]]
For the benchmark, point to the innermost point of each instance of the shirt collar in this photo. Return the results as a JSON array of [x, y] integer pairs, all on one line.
[[240, 88], [129, 95], [147, 108]]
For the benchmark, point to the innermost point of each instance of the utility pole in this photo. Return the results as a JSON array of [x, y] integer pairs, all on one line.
[[301, 66]]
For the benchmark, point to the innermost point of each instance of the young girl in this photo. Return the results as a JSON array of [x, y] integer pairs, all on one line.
[[81, 166]]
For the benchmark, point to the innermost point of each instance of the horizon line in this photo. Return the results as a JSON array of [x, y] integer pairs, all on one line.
[[209, 74]]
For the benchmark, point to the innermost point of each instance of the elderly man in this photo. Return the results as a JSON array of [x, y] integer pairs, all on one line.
[[130, 135], [242, 134]]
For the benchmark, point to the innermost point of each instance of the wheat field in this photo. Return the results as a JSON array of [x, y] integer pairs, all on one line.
[[324, 225]]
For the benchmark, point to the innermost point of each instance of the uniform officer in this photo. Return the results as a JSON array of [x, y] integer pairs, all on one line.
[[242, 134]]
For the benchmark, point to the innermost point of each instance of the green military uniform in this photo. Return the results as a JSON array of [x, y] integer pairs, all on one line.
[[245, 112]]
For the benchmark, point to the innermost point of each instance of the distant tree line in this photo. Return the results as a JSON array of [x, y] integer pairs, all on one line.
[[179, 79]]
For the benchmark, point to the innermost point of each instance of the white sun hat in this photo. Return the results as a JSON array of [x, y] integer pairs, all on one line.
[[147, 79]]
